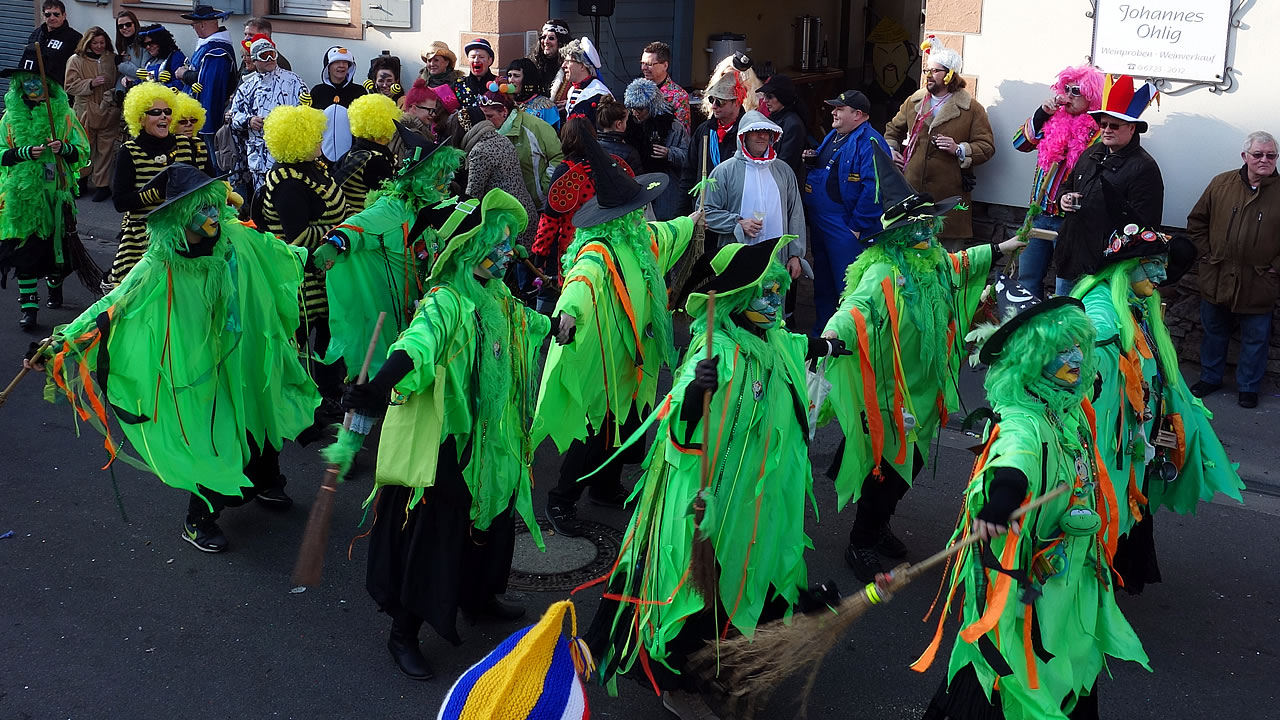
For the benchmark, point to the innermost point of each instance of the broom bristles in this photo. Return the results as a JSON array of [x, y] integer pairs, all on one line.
[[310, 566]]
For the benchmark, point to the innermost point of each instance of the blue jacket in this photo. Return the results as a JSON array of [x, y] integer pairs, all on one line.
[[857, 178], [215, 71], [171, 63]]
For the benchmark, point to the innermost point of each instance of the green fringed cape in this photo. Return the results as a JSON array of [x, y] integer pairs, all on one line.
[[440, 397], [1123, 436], [606, 368], [200, 354], [760, 482], [1043, 652], [891, 370], [31, 204]]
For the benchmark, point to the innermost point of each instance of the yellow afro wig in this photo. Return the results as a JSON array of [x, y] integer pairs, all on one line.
[[188, 107], [140, 99], [373, 117], [293, 133]]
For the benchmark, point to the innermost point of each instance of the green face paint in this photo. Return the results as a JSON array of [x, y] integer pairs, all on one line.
[[763, 311], [204, 222], [1064, 369]]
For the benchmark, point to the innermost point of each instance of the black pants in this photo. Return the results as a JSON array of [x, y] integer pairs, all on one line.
[[584, 456], [879, 501], [964, 699], [262, 469]]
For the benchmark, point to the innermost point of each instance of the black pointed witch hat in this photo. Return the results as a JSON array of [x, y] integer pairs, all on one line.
[[419, 148], [178, 181], [29, 64], [1015, 305], [617, 193], [902, 204]]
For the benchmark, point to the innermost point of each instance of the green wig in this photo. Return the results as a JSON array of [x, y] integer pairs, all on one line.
[[736, 304], [1016, 379], [167, 226], [632, 231], [425, 184], [1122, 299], [30, 204]]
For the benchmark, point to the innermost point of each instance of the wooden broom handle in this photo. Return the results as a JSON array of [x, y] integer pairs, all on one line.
[[368, 359], [706, 397]]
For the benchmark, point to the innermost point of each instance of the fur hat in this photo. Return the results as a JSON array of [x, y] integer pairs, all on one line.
[[440, 48], [733, 79], [582, 51], [644, 94]]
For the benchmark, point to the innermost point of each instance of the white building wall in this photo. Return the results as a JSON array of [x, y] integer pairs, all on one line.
[[432, 20], [1024, 43]]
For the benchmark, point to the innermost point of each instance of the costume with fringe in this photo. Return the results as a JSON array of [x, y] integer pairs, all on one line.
[[455, 455], [1038, 612], [755, 508], [906, 311], [37, 196], [1148, 420], [193, 357], [614, 289]]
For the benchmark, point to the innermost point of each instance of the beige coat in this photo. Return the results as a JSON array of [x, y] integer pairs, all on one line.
[[97, 111], [937, 172]]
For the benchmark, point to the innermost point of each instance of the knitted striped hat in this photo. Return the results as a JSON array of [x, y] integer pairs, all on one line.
[[535, 674]]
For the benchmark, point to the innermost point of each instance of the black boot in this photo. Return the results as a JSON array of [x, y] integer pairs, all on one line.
[[30, 303], [403, 645], [55, 296]]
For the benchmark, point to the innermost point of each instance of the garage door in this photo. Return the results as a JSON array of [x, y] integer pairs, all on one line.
[[16, 22], [634, 24]]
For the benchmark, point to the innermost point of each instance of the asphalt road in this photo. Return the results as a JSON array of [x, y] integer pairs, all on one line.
[[104, 618]]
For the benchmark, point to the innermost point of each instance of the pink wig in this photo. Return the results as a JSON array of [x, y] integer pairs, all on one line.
[[419, 92], [1088, 78]]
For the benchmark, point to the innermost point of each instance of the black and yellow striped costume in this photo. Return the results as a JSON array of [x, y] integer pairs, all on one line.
[[363, 169], [299, 203], [137, 161]]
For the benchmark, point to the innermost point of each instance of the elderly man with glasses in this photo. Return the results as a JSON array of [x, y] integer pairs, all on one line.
[[1236, 229], [256, 97], [57, 39]]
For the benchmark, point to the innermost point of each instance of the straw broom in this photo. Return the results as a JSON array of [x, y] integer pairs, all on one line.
[[702, 560], [310, 565], [749, 669]]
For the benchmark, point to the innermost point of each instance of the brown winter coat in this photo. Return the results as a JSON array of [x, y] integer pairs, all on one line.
[[937, 172], [492, 162], [1237, 234], [97, 111]]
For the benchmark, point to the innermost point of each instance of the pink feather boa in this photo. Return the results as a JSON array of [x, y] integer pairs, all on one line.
[[1066, 136]]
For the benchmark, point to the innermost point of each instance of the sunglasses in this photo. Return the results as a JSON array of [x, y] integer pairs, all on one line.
[[187, 121], [157, 112], [1072, 90], [717, 102], [53, 14], [1111, 125], [1260, 155], [123, 25]]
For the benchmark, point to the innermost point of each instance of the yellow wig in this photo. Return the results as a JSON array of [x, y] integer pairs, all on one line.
[[140, 99], [293, 133], [373, 117], [188, 107]]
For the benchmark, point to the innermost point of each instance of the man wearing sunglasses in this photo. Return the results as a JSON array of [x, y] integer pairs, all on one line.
[[271, 87], [1059, 132], [1115, 176], [57, 39], [1236, 229]]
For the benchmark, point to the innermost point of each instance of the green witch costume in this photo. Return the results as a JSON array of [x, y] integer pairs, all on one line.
[[38, 188], [755, 494], [193, 354], [614, 334], [906, 305], [382, 249], [1037, 603], [455, 453], [1154, 435]]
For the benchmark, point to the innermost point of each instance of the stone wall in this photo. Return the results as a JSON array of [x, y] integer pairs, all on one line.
[[1182, 301]]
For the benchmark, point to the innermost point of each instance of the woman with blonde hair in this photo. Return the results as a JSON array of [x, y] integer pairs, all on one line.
[[148, 113], [91, 80], [188, 115]]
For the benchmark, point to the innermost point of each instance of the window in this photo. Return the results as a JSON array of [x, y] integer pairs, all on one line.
[[324, 9]]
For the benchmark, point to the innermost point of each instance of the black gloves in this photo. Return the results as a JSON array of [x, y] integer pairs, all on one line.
[[370, 399], [822, 347], [819, 597], [706, 379]]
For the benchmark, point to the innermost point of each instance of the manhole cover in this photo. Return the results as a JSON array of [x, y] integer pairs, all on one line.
[[568, 562]]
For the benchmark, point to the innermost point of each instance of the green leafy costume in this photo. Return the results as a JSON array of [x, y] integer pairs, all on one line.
[[903, 314], [1142, 392], [378, 270], [192, 354], [614, 289], [1038, 610], [755, 503]]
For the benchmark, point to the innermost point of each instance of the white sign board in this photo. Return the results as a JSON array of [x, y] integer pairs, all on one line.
[[1172, 39]]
